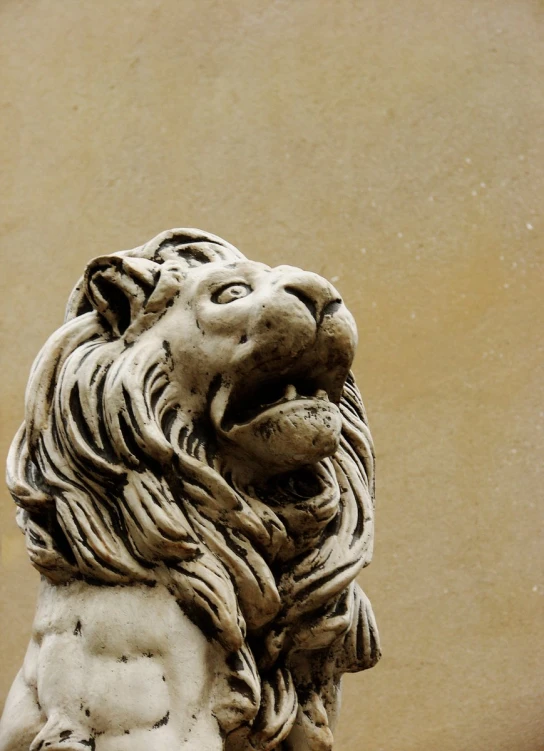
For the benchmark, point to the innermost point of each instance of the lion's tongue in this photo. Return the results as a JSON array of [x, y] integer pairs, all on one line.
[[289, 394], [268, 396], [271, 394]]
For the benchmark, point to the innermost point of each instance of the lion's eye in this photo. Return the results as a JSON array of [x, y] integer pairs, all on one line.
[[231, 292]]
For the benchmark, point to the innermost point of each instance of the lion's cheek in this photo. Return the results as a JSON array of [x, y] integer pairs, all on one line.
[[289, 436]]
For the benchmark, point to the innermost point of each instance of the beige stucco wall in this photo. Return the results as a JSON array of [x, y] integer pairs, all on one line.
[[395, 146]]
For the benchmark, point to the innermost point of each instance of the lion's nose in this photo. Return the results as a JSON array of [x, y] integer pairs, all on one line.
[[320, 297]]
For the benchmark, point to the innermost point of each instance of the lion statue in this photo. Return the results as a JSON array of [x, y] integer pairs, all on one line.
[[195, 482]]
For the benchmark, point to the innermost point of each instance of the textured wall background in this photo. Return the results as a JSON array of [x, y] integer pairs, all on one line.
[[396, 147]]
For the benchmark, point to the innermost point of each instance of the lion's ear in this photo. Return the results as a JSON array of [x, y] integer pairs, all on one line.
[[118, 288]]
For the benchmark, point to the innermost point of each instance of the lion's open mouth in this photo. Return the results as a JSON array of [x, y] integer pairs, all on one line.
[[245, 405]]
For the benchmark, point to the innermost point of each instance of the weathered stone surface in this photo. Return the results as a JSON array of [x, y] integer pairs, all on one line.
[[195, 482]]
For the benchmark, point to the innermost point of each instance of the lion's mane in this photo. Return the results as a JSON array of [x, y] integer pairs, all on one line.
[[124, 495]]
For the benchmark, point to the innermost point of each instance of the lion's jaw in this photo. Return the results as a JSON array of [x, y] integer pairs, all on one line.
[[274, 424], [264, 371]]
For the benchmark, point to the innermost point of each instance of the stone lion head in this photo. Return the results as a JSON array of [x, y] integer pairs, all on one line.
[[194, 422]]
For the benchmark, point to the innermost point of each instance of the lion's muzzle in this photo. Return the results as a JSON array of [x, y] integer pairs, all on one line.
[[278, 404]]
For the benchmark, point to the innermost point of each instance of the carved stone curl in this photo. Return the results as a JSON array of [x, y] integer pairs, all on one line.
[[194, 479]]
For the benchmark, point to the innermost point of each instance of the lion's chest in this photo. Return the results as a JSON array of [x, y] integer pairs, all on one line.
[[119, 661]]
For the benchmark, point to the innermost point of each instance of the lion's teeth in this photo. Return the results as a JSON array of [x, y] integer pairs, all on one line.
[[290, 392], [321, 394]]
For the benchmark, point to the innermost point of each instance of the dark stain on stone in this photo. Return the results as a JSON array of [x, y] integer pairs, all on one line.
[[161, 723]]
